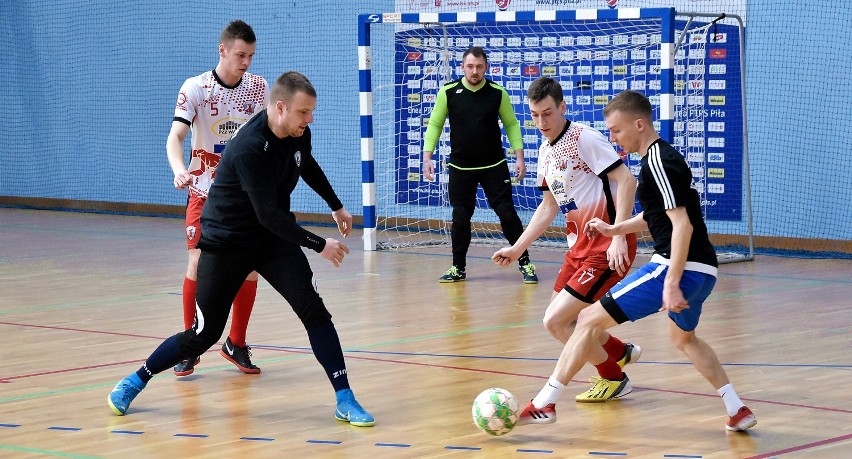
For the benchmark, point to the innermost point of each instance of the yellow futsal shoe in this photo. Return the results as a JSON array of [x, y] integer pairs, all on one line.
[[604, 389]]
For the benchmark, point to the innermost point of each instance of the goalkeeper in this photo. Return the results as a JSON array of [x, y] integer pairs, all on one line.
[[473, 104]]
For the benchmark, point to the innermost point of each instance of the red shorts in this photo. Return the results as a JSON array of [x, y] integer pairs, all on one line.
[[588, 279], [193, 221]]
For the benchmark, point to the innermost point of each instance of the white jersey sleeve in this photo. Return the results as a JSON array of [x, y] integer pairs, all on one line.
[[596, 150]]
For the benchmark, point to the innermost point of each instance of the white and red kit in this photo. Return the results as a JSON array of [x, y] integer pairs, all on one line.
[[214, 111], [574, 168]]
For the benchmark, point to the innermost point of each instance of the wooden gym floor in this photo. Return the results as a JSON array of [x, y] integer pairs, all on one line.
[[85, 298]]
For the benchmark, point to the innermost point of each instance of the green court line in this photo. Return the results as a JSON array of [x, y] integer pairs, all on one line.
[[45, 452], [715, 297]]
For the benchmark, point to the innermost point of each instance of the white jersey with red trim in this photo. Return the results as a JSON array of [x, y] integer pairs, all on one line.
[[214, 111], [574, 169]]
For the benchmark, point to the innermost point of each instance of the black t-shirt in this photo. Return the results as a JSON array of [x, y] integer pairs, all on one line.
[[249, 201], [665, 182]]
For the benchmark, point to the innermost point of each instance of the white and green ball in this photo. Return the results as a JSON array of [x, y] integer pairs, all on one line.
[[495, 411]]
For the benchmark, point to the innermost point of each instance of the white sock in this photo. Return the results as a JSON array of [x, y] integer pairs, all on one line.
[[549, 393], [731, 399]]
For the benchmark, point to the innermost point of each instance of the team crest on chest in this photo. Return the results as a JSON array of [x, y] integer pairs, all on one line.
[[298, 157]]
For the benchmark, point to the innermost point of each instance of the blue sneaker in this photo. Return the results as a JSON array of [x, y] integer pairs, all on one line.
[[124, 392], [348, 409]]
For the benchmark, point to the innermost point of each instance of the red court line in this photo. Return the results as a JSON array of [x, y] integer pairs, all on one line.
[[99, 332], [478, 370], [802, 447]]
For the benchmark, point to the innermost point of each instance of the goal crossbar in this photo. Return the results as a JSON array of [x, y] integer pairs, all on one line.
[[666, 16]]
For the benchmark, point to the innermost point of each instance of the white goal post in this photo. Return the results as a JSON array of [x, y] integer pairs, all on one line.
[[404, 58]]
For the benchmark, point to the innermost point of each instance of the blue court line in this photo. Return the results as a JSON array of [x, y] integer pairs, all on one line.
[[324, 442], [127, 432], [544, 451], [604, 453], [73, 429], [257, 438], [686, 456], [10, 425], [393, 445], [465, 448], [191, 435]]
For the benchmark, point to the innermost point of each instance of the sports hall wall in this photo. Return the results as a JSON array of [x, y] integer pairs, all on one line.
[[89, 91]]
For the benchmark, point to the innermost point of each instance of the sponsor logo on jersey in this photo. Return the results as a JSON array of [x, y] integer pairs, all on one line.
[[225, 127], [181, 101], [298, 157]]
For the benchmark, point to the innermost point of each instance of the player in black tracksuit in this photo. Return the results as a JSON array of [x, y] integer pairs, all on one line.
[[247, 225]]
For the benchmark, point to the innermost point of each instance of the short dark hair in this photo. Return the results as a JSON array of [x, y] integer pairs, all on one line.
[[543, 87], [477, 52], [631, 102], [290, 83], [237, 30]]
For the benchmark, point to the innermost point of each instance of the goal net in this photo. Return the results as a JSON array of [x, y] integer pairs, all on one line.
[[594, 54]]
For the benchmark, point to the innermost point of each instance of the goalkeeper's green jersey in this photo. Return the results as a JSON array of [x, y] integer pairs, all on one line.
[[475, 139]]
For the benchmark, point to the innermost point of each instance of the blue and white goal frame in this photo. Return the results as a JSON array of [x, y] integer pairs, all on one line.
[[366, 21]]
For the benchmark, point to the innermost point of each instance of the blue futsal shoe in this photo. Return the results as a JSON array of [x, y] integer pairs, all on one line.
[[348, 409], [124, 392]]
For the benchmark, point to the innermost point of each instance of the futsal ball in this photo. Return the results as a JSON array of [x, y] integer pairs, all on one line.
[[495, 411]]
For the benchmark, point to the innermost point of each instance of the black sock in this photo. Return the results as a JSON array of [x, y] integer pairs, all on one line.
[[164, 357], [326, 346], [524, 259]]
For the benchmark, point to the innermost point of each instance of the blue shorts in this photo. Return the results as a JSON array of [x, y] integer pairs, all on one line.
[[641, 294]]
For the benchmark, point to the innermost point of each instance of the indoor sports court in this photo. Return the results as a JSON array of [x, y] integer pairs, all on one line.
[[93, 246]]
